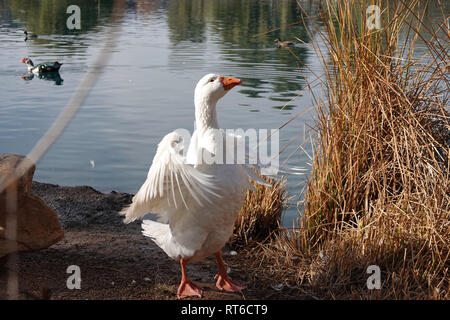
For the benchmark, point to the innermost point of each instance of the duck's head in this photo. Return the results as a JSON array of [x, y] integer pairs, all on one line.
[[212, 87], [27, 61]]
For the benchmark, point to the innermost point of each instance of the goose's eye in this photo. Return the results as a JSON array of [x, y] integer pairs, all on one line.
[[211, 80]]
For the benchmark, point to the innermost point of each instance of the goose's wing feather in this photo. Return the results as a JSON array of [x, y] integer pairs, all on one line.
[[171, 184]]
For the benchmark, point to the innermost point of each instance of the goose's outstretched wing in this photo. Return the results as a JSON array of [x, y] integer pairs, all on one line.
[[170, 184]]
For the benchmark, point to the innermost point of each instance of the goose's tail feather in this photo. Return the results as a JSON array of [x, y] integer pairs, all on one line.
[[158, 232]]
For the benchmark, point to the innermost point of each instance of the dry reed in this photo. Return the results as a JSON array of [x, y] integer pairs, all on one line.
[[261, 213], [379, 192]]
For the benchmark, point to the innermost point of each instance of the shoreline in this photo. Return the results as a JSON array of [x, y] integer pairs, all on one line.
[[115, 259]]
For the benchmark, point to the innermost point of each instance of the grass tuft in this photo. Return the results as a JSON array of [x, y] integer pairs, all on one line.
[[261, 213]]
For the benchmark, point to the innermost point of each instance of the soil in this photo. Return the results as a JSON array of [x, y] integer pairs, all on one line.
[[116, 261]]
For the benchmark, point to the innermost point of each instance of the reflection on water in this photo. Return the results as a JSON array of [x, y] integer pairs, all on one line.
[[147, 88], [49, 76], [234, 26], [48, 17]]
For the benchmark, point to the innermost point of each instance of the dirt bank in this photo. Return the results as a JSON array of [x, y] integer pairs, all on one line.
[[116, 261]]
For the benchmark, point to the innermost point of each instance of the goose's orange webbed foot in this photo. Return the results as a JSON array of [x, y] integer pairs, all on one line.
[[188, 288], [224, 282]]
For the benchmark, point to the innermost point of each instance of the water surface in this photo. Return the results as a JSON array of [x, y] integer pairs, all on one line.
[[146, 91]]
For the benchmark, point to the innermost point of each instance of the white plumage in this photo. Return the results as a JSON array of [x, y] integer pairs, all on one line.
[[196, 203]]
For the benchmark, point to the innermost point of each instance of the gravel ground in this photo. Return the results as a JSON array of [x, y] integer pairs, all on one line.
[[116, 260]]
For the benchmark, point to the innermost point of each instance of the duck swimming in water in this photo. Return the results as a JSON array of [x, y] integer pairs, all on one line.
[[29, 35], [43, 67], [283, 44]]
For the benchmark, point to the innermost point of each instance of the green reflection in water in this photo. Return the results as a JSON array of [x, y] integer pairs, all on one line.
[[238, 28], [48, 17]]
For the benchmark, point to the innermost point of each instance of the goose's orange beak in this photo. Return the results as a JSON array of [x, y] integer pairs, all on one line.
[[229, 82]]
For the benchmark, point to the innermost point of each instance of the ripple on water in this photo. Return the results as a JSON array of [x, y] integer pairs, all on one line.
[[147, 88]]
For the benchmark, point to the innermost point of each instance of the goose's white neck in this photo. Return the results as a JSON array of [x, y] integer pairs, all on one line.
[[205, 114]]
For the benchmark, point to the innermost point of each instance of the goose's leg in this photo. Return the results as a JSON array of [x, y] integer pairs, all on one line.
[[224, 282], [187, 288]]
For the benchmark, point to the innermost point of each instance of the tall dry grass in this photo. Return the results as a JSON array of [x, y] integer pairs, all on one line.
[[379, 191], [261, 213]]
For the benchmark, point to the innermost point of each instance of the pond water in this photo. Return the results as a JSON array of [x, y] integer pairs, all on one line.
[[146, 91]]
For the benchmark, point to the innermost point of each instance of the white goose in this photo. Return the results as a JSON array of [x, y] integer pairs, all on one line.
[[197, 203]]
